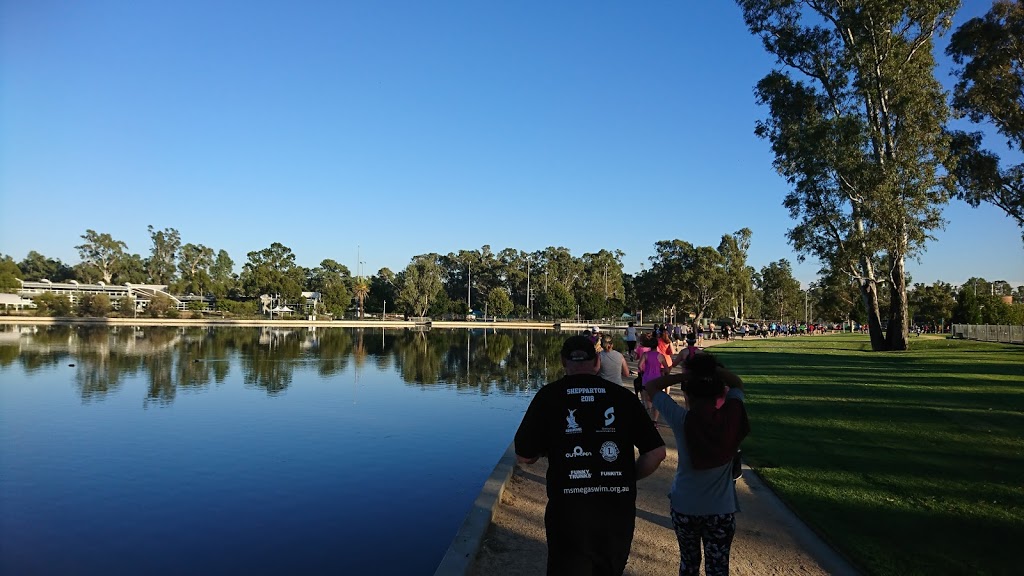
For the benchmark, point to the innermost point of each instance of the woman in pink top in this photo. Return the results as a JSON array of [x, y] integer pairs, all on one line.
[[653, 364]]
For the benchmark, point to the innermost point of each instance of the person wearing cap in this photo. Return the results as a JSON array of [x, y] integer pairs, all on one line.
[[587, 428]]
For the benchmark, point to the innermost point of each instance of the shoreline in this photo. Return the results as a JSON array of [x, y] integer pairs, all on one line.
[[213, 322]]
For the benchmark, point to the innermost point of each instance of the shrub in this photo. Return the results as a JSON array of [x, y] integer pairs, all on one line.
[[93, 305], [50, 304], [159, 306], [126, 306]]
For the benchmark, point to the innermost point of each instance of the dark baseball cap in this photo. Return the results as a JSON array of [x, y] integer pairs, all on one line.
[[578, 349]]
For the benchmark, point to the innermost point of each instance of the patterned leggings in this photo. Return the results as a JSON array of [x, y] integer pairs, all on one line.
[[716, 531]]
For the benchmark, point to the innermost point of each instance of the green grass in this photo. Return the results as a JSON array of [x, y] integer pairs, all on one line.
[[908, 462]]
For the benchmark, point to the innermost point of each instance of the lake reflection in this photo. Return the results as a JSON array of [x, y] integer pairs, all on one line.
[[251, 450]]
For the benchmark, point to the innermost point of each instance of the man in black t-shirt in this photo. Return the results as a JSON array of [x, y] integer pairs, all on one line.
[[587, 428]]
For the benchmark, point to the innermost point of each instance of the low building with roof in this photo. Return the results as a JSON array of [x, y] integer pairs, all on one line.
[[15, 302], [143, 294]]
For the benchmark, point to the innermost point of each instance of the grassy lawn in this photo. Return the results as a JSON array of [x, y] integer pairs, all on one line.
[[909, 462]]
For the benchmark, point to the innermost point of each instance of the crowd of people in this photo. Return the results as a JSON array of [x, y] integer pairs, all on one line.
[[587, 425]]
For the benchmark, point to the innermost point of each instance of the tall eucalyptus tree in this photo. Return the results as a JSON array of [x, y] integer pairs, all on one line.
[[856, 121], [163, 254], [101, 251], [738, 275]]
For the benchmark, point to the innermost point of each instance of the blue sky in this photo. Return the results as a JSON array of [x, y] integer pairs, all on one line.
[[390, 129]]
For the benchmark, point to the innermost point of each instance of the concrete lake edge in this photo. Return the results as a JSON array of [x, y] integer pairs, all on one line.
[[461, 553]]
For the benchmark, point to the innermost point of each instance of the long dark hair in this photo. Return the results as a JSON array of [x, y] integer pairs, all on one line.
[[704, 381]]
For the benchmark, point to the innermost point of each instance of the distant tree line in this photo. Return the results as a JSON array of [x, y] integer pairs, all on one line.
[[683, 284]]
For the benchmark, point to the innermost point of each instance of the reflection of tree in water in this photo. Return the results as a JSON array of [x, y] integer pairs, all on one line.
[[8, 354], [269, 362], [193, 370], [160, 367], [220, 342], [418, 359], [103, 359], [380, 344], [502, 361], [50, 346], [506, 361], [335, 346]]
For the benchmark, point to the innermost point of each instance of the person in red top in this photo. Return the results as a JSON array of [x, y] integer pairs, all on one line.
[[665, 346]]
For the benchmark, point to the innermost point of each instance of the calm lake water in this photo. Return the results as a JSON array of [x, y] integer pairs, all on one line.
[[251, 450]]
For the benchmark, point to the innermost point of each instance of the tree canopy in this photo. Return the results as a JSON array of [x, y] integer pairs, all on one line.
[[990, 89], [856, 120]]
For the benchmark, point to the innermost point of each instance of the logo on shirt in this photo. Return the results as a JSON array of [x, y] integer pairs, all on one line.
[[579, 474], [610, 451], [578, 452], [572, 427], [609, 416], [611, 473]]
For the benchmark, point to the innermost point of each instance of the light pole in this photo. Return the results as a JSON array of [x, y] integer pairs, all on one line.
[[529, 309], [384, 314], [469, 284]]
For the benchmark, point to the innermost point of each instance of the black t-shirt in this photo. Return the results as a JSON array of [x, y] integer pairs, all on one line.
[[587, 427]]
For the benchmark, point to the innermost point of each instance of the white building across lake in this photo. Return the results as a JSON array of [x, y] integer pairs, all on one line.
[[141, 293]]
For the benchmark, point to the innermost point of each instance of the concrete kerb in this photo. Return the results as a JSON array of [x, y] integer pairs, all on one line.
[[462, 552], [828, 556]]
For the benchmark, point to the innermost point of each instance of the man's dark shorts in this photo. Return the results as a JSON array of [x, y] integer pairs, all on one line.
[[593, 541]]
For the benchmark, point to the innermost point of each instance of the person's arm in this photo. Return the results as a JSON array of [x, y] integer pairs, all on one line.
[[529, 441], [660, 383], [648, 462], [680, 358], [625, 368]]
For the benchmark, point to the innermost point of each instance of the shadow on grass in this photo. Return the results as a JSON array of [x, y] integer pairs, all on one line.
[[911, 462]]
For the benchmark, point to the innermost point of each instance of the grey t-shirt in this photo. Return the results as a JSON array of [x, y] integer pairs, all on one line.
[[611, 366], [697, 492]]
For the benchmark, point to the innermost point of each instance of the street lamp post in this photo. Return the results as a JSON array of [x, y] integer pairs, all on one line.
[[529, 309]]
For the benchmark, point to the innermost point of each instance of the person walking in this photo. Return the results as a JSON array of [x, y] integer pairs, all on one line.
[[587, 429], [708, 434], [613, 365], [653, 364], [689, 351], [630, 339]]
